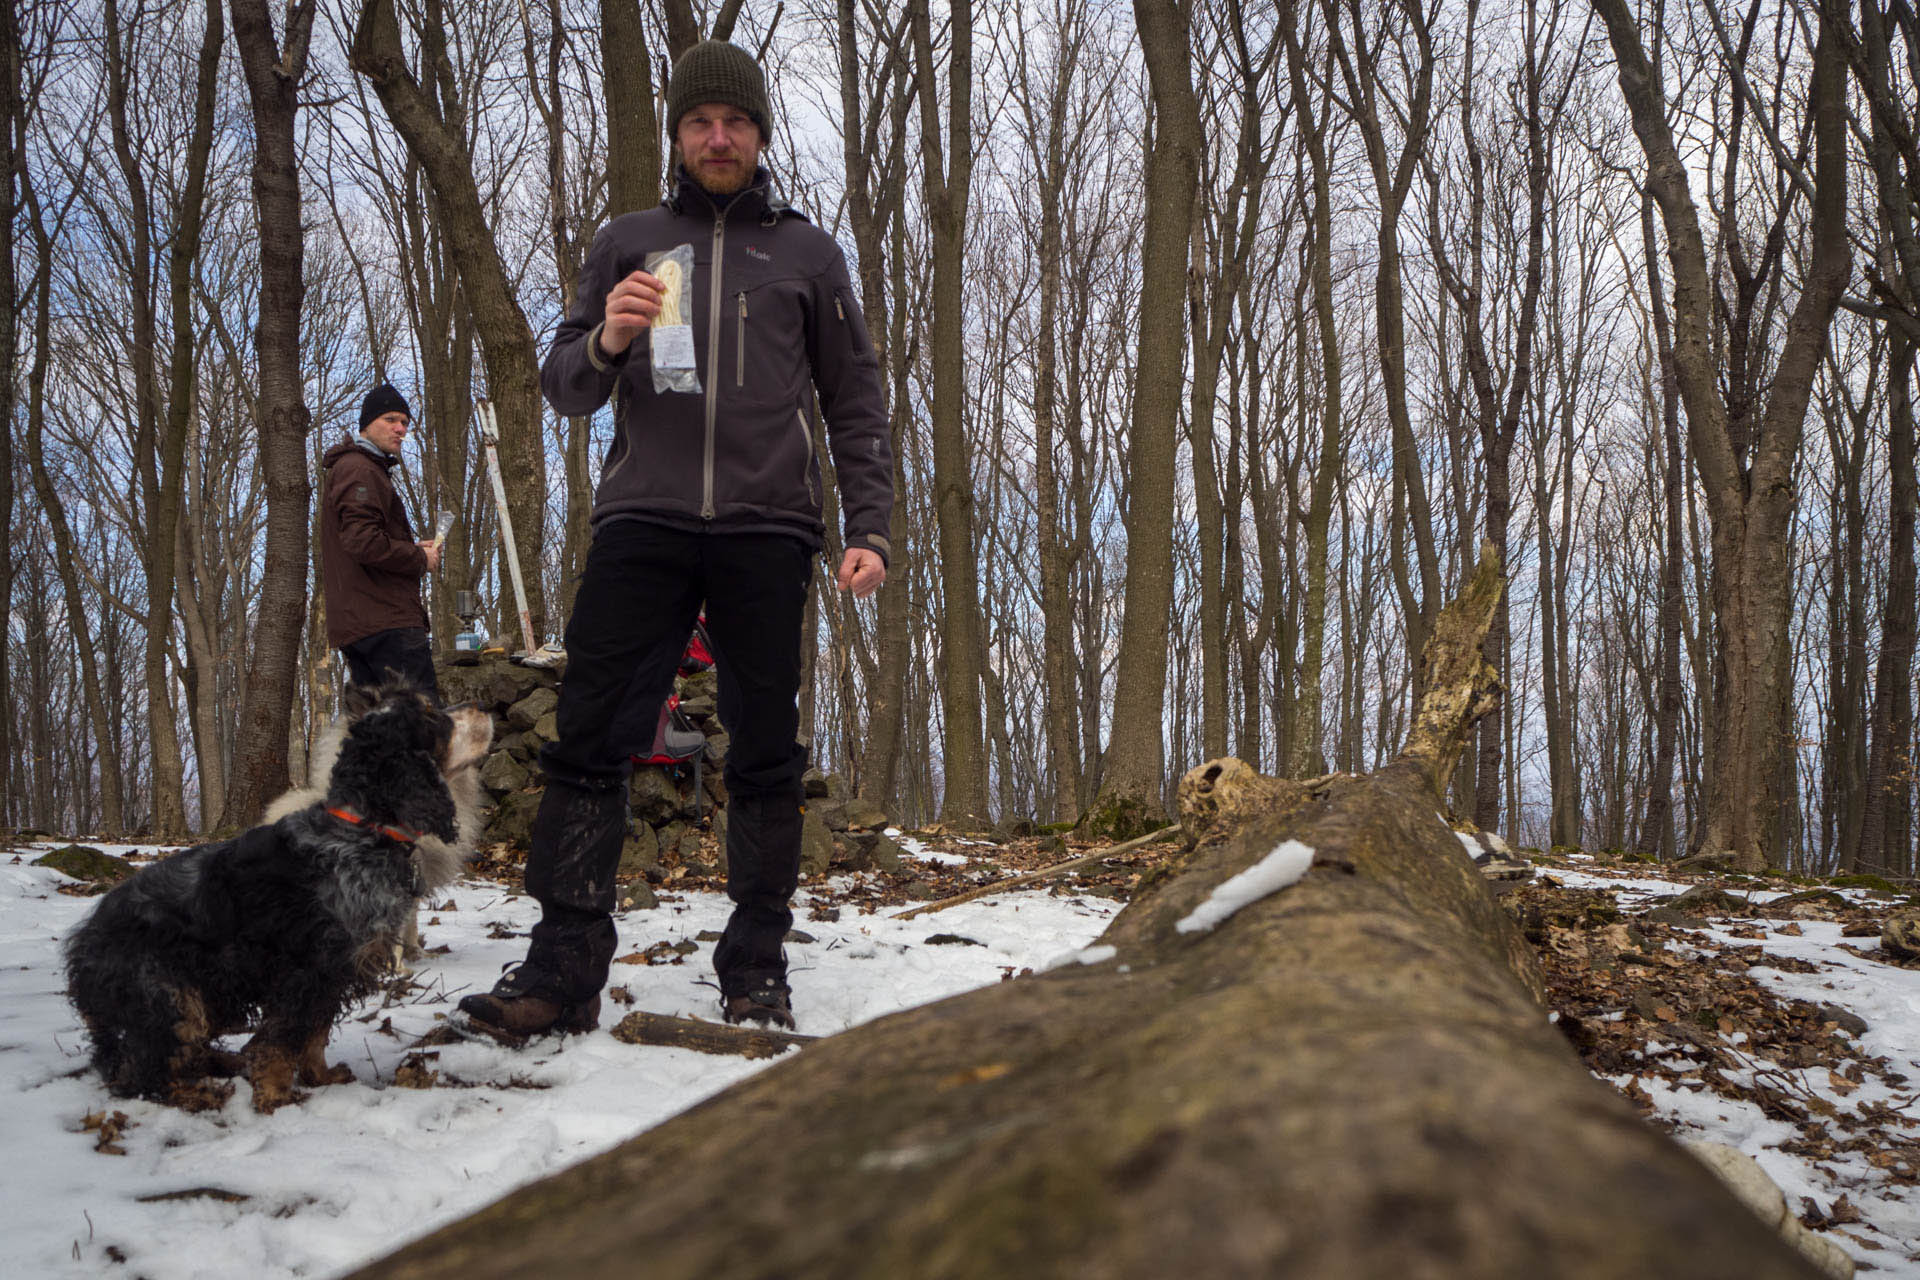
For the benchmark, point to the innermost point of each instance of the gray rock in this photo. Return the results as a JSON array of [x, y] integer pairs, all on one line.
[[884, 853], [1900, 935], [512, 820], [547, 728], [704, 684], [953, 940], [493, 682], [520, 746], [1846, 1019], [1015, 828], [816, 845], [799, 936], [1707, 900], [865, 815], [837, 788], [708, 935], [654, 796], [640, 852], [814, 783], [526, 713], [700, 708], [502, 773], [639, 896], [831, 812]]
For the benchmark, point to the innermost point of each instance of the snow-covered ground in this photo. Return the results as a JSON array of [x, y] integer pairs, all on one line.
[[1885, 997], [357, 1170]]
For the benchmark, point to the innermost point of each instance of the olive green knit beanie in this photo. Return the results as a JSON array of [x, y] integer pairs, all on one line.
[[716, 71]]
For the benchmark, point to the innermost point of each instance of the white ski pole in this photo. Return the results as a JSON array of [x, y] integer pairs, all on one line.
[[490, 434]]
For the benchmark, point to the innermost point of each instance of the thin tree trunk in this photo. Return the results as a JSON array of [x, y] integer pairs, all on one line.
[[1132, 786], [947, 180], [66, 552], [1308, 755], [1392, 177], [158, 444], [506, 341], [633, 127], [13, 120], [1889, 762], [878, 773], [1747, 480], [281, 416], [1656, 828]]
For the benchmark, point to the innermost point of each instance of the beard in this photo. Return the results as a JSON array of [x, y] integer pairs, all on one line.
[[722, 179]]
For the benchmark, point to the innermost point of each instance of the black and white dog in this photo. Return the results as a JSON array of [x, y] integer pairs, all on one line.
[[283, 926]]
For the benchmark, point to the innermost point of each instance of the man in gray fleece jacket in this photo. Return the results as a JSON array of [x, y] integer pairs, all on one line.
[[710, 493]]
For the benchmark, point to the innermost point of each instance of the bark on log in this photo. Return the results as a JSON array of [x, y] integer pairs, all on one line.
[[1349, 1077], [705, 1037]]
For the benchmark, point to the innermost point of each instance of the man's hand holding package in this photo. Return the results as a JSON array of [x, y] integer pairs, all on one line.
[[632, 305]]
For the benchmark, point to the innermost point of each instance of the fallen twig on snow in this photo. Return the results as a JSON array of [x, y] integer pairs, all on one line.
[[1044, 873]]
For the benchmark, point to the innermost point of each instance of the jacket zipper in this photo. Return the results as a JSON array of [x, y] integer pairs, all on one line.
[[740, 346], [806, 434], [715, 299]]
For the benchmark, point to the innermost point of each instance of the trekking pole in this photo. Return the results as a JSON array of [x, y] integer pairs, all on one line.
[[490, 434]]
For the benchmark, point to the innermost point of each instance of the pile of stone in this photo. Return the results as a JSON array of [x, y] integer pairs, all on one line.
[[669, 824]]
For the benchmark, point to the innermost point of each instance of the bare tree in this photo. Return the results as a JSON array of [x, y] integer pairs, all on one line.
[[506, 341], [1371, 103], [281, 418], [1745, 454], [633, 126], [1132, 786], [946, 174]]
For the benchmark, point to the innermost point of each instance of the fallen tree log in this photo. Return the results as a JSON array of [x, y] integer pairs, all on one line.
[[1348, 1077]]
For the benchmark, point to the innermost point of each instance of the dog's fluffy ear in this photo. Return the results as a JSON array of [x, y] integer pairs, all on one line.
[[358, 700]]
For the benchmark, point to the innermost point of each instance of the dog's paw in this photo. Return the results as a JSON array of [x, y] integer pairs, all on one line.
[[199, 1095], [338, 1073]]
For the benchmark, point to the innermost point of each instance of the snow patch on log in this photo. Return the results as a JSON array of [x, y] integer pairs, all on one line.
[[1286, 864], [1086, 955]]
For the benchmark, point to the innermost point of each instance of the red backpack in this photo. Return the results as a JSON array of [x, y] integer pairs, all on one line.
[[676, 739]]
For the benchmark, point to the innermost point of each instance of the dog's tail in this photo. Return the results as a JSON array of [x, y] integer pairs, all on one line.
[[326, 751]]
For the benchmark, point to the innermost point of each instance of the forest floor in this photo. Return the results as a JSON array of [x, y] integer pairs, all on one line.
[[1765, 1019]]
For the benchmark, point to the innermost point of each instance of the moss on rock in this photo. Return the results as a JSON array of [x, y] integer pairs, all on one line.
[[84, 862]]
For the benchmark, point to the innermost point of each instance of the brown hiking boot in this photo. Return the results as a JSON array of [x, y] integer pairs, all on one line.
[[516, 1011], [765, 1001]]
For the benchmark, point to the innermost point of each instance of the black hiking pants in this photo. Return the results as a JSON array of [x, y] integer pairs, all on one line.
[[402, 651], [642, 590]]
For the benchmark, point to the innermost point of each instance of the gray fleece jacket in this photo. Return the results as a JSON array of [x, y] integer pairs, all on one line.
[[774, 321]]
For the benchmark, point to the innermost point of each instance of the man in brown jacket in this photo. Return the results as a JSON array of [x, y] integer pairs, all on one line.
[[711, 493], [369, 559]]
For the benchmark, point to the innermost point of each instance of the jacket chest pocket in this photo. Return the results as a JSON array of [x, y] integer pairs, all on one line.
[[767, 328]]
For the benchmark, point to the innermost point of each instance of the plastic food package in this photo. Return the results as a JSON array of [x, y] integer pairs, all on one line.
[[670, 337]]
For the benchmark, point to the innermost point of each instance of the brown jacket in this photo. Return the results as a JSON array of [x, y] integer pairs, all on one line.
[[368, 558], [775, 324]]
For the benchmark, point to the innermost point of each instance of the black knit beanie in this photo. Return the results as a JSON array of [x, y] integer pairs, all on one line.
[[716, 71], [382, 399]]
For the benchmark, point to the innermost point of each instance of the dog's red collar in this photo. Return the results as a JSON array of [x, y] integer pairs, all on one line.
[[404, 835]]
